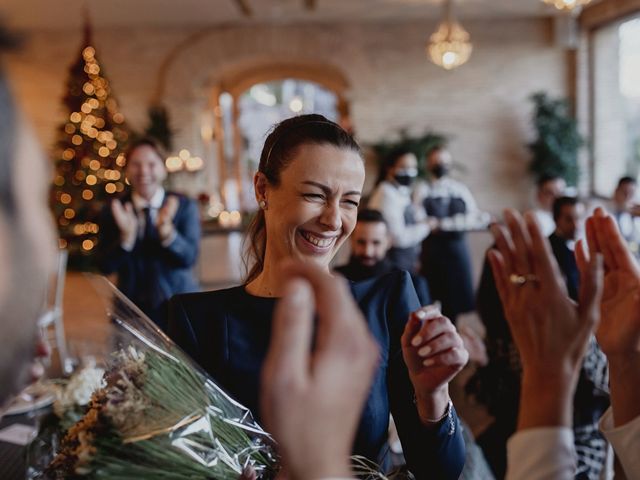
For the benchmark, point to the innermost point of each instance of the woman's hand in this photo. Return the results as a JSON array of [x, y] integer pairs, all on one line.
[[312, 399], [434, 353], [549, 329], [619, 331]]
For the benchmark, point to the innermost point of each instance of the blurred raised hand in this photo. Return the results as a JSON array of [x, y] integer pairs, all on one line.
[[312, 400], [549, 329], [619, 331]]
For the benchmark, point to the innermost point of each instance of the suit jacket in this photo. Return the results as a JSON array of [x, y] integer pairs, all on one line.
[[228, 333], [357, 272], [151, 273], [567, 262]]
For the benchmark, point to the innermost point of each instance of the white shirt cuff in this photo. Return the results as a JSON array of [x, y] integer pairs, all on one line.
[[625, 441], [545, 453]]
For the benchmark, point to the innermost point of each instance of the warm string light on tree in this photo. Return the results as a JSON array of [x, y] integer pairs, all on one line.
[[89, 155]]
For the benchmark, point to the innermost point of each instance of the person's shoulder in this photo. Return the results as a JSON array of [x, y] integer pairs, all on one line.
[[182, 198], [456, 184], [383, 188], [384, 285], [214, 300]]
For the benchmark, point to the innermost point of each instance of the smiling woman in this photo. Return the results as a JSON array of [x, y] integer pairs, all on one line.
[[308, 186]]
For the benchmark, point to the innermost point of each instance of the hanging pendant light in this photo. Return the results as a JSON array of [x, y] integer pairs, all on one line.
[[450, 45], [567, 5]]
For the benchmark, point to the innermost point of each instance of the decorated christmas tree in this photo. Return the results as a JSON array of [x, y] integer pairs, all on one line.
[[89, 157]]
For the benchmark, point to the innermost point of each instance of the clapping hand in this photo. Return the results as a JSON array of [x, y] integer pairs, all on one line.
[[166, 214], [434, 353], [549, 329], [126, 219], [312, 399], [619, 331]]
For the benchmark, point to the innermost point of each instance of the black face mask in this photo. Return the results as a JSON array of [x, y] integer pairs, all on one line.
[[439, 171], [404, 179]]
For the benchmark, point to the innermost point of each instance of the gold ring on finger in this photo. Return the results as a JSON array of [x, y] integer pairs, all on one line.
[[522, 279]]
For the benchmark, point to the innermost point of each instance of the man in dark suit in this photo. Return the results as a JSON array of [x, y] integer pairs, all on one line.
[[150, 237], [567, 215], [370, 242]]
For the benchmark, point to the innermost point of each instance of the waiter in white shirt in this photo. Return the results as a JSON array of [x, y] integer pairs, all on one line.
[[446, 262], [626, 212], [392, 196], [548, 188]]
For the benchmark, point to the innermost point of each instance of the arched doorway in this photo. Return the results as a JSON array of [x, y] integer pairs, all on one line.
[[247, 101]]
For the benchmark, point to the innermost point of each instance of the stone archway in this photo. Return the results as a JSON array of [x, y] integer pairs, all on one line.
[[236, 81]]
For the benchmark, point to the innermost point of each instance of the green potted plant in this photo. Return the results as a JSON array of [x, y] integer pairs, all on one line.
[[555, 150]]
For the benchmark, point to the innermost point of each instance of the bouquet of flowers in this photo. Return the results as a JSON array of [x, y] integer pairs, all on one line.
[[158, 415]]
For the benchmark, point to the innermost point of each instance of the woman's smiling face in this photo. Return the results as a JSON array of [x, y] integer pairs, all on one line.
[[315, 206]]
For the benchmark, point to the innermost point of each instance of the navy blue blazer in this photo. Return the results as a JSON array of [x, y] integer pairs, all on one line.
[[228, 332], [566, 259], [151, 274]]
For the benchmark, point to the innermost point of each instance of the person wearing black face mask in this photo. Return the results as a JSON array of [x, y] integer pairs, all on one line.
[[370, 242], [445, 258], [407, 222]]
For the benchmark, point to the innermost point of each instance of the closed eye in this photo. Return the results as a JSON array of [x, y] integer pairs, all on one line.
[[351, 203], [313, 196]]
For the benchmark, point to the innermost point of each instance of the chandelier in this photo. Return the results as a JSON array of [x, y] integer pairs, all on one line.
[[567, 5], [450, 46]]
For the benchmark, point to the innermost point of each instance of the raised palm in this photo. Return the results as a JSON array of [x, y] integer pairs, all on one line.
[[620, 309], [547, 326], [619, 329]]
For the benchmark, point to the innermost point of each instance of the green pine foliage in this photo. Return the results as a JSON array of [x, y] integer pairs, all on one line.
[[555, 150], [89, 157]]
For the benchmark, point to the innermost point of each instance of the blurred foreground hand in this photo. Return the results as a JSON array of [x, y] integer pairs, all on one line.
[[313, 395]]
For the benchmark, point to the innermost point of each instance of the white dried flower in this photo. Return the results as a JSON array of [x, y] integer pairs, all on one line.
[[79, 389]]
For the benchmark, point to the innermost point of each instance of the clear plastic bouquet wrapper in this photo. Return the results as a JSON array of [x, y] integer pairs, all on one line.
[[158, 415]]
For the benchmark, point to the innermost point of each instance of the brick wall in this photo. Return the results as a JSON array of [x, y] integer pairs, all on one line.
[[482, 105]]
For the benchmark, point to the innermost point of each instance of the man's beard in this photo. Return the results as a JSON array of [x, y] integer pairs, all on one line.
[[363, 271]]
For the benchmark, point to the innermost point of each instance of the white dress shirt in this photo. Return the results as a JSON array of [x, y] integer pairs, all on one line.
[[625, 441], [154, 205], [549, 454], [449, 188], [546, 221], [541, 454], [392, 201]]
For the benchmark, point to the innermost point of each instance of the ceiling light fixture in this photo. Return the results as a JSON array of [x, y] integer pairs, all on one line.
[[450, 45], [567, 5]]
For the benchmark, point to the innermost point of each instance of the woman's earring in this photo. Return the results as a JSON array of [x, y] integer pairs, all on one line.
[[262, 204]]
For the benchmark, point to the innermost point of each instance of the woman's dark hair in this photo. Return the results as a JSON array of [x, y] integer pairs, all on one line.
[[279, 149], [389, 161]]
